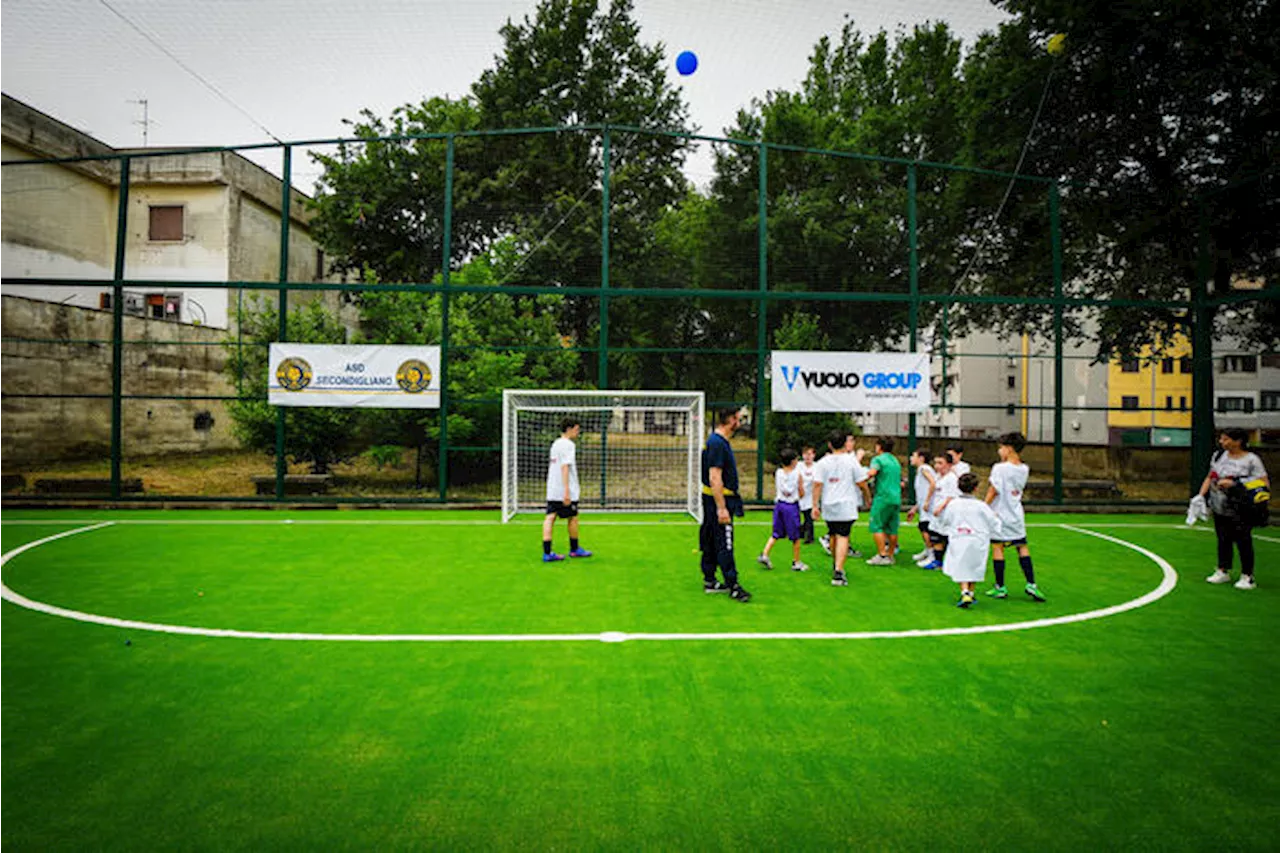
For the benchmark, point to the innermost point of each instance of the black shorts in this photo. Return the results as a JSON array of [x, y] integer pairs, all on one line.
[[839, 528], [923, 526], [559, 509], [1007, 543], [937, 538]]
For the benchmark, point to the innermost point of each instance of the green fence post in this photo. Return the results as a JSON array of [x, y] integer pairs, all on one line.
[[286, 181], [442, 470], [946, 313], [602, 379], [762, 339], [1202, 315], [1055, 231], [913, 308], [117, 327]]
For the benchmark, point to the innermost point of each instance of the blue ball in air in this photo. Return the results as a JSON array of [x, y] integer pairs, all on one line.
[[687, 63]]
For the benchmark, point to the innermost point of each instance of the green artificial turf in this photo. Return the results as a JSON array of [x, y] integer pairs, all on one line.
[[1147, 729]]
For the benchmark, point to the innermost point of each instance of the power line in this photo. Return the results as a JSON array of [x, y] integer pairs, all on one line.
[[1017, 170], [212, 88]]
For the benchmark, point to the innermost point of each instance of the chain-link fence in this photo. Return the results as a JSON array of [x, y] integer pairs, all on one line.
[[142, 290]]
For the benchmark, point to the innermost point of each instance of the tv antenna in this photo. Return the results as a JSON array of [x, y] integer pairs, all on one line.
[[146, 121]]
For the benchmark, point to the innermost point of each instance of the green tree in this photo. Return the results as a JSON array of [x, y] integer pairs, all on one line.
[[796, 429], [838, 223], [318, 436], [1162, 119], [526, 209], [537, 195], [497, 341], [574, 63], [380, 203]]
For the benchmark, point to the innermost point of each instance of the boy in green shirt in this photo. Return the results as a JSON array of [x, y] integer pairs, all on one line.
[[886, 505]]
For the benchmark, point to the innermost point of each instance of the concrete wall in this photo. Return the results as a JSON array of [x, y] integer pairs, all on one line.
[[70, 355]]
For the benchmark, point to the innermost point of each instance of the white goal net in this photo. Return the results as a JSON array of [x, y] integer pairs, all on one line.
[[638, 450]]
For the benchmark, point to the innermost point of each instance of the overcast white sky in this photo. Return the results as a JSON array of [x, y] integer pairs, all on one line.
[[298, 67]]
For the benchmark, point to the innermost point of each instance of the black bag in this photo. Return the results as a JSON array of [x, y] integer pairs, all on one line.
[[1251, 502]]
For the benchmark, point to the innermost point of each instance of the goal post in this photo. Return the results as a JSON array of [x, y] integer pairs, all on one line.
[[638, 450]]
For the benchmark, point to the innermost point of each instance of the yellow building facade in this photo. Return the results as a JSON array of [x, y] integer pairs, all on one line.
[[1151, 394]]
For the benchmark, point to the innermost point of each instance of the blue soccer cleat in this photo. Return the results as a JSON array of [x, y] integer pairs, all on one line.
[[553, 557], [579, 552], [932, 567]]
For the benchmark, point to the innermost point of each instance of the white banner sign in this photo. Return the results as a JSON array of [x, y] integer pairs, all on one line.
[[376, 377], [806, 381]]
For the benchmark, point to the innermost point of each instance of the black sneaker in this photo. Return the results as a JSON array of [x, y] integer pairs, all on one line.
[[713, 587], [838, 579], [737, 593]]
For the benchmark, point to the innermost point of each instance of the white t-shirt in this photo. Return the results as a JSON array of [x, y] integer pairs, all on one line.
[[787, 485], [960, 469], [839, 474], [563, 452], [1241, 469], [1010, 481], [948, 487], [922, 491], [806, 470], [969, 525]]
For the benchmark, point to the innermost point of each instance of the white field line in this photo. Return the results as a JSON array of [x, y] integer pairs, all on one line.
[[1167, 583], [96, 524]]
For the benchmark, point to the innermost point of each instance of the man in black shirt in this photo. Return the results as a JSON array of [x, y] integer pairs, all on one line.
[[720, 503]]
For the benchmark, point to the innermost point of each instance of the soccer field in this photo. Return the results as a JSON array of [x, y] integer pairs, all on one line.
[[394, 680]]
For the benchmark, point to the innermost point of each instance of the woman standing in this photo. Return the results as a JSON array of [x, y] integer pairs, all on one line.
[[1231, 468]]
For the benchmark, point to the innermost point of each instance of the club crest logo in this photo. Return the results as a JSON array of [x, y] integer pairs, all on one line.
[[293, 374], [413, 376]]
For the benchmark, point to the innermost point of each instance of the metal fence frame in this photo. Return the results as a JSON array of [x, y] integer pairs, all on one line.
[[1200, 307]]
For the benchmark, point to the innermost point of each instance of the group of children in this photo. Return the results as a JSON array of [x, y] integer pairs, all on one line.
[[956, 527]]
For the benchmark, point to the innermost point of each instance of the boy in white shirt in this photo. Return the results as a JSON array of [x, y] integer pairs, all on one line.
[[836, 484], [970, 526], [926, 483], [946, 489], [806, 468], [955, 454], [788, 491], [1008, 481], [563, 491], [859, 454]]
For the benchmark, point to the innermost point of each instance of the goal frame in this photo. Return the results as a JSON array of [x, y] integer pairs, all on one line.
[[603, 401]]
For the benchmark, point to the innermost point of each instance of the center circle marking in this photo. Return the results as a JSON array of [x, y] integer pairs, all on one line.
[[1167, 583]]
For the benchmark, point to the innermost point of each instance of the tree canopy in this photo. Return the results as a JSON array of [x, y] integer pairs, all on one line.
[[1162, 120], [1157, 123]]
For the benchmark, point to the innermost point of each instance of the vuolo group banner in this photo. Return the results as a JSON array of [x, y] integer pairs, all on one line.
[[805, 381], [378, 377]]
